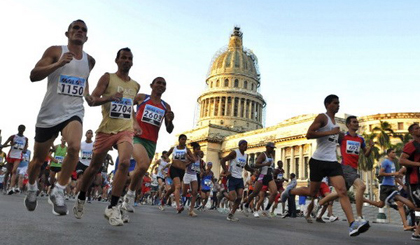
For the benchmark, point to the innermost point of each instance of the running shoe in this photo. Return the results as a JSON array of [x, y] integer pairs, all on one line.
[[192, 214], [161, 207], [10, 192], [232, 218], [246, 211], [78, 208], [66, 197], [124, 215], [113, 215], [272, 215], [16, 190], [333, 218], [220, 210], [415, 237], [358, 227], [308, 219], [30, 200], [320, 220], [180, 209], [56, 199], [256, 215], [128, 203]]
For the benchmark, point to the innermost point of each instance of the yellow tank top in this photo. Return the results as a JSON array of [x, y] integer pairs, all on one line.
[[118, 116]]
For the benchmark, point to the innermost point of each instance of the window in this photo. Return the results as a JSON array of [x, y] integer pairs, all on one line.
[[245, 84], [252, 86], [400, 126], [217, 83], [306, 165], [297, 167], [226, 83], [236, 83], [287, 167], [211, 84]]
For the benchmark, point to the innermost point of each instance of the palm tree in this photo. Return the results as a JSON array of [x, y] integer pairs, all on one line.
[[405, 138], [366, 163], [384, 133]]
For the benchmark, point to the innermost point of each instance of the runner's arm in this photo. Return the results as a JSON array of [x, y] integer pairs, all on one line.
[[49, 62], [319, 122], [100, 89], [229, 157], [404, 161], [169, 117]]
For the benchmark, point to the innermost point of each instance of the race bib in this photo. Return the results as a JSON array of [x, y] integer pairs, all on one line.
[[280, 176], [121, 109], [73, 86], [25, 158], [147, 184], [333, 138], [241, 162], [153, 115], [353, 147], [207, 182], [180, 155], [195, 166], [18, 145], [86, 155], [59, 159]]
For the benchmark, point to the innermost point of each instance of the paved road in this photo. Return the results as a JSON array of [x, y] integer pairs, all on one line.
[[152, 226]]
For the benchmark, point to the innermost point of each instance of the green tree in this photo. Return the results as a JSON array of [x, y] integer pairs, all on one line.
[[384, 132], [366, 163]]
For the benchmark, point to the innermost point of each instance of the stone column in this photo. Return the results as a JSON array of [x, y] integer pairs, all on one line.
[[292, 161], [239, 107], [219, 112], [226, 105], [301, 165], [233, 107]]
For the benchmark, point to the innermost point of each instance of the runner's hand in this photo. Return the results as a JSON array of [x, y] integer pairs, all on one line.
[[170, 115], [117, 96], [137, 129], [335, 130], [65, 58], [90, 100]]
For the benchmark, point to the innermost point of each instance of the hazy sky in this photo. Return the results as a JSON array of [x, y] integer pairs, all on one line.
[[366, 52]]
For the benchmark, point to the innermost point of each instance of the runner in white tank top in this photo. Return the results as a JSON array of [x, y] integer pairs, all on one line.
[[265, 161], [18, 145], [324, 163], [238, 160], [67, 68]]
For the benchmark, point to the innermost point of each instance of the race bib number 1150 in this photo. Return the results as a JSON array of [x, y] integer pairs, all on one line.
[[73, 86]]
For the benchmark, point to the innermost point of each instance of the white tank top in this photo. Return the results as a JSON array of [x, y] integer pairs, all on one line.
[[64, 96], [180, 154], [16, 149], [86, 151], [327, 145], [264, 170], [162, 165], [236, 165]]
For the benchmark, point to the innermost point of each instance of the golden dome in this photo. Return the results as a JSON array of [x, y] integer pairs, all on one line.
[[235, 59]]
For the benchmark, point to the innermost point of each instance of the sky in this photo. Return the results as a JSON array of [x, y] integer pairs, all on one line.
[[366, 52]]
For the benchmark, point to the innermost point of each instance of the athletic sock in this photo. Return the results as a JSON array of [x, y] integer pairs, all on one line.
[[351, 223], [131, 193], [33, 187], [60, 186], [82, 195], [114, 201]]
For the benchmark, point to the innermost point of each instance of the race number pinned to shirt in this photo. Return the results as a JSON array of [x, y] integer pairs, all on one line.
[[19, 145], [195, 166], [121, 109], [241, 162], [280, 176], [153, 115], [353, 147], [59, 159], [86, 155], [73, 86]]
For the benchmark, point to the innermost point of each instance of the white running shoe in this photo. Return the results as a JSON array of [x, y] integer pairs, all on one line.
[[128, 203], [78, 208], [256, 214], [333, 218], [113, 215], [232, 218]]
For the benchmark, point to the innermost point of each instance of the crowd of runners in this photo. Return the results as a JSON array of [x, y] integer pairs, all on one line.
[[79, 168]]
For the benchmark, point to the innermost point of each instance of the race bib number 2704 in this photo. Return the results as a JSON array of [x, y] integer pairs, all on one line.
[[73, 86], [121, 109]]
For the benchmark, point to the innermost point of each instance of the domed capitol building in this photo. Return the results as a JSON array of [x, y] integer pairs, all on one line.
[[231, 108]]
